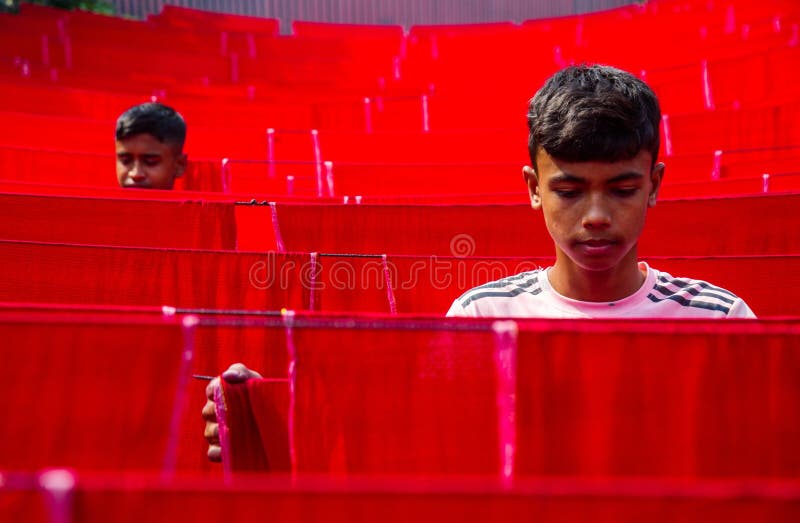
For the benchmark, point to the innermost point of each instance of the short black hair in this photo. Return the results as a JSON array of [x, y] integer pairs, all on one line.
[[593, 113], [159, 120]]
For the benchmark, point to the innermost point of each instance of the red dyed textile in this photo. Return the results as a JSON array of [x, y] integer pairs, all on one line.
[[147, 497], [74, 274], [52, 273], [90, 393], [393, 401], [700, 227], [591, 399], [118, 221], [135, 498]]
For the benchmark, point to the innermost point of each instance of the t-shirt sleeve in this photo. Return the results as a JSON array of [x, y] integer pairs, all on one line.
[[740, 310], [457, 311]]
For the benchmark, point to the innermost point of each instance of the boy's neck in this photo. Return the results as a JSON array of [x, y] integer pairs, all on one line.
[[576, 283]]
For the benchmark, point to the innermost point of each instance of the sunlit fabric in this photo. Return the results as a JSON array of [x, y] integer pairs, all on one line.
[[118, 221], [78, 274], [131, 498], [673, 228], [90, 394], [592, 399]]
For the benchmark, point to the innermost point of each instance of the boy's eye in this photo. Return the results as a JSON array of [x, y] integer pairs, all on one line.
[[567, 193], [152, 162], [624, 191]]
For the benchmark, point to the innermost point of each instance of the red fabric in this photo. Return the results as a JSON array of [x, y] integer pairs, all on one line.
[[186, 18], [767, 126], [88, 394], [593, 399], [701, 227], [51, 273], [669, 400], [202, 175], [384, 402], [72, 274], [268, 418], [118, 221], [133, 498], [57, 167], [789, 182]]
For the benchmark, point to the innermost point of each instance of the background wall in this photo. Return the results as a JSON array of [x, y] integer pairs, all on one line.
[[401, 12]]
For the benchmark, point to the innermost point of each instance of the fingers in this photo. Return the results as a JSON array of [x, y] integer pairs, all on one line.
[[211, 432], [210, 411], [211, 388], [237, 373]]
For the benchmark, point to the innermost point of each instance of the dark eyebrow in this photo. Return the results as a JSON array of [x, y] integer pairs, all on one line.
[[566, 178], [632, 175]]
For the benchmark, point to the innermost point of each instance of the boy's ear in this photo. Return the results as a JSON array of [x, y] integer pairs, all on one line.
[[532, 181], [180, 165], [656, 177]]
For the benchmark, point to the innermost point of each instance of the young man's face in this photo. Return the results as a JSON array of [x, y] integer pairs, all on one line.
[[595, 211], [146, 163]]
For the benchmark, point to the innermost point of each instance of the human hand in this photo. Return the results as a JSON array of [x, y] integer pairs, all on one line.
[[236, 373]]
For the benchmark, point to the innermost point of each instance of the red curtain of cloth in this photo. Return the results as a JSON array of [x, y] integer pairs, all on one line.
[[239, 281], [202, 175], [373, 401], [51, 273], [57, 167], [593, 399], [703, 227], [679, 400], [143, 223], [131, 499], [92, 394], [763, 126]]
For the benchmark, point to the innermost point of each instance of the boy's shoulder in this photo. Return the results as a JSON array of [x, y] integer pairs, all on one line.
[[529, 295], [517, 288], [691, 293]]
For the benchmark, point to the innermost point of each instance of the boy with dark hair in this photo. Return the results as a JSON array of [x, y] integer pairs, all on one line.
[[149, 145], [593, 144]]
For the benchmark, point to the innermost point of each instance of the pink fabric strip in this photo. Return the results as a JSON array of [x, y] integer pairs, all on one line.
[[313, 283], [367, 115], [716, 171], [317, 160], [276, 227], [387, 279], [667, 135], [181, 396], [505, 343], [271, 152], [225, 175], [59, 485], [708, 98], [224, 432], [291, 350]]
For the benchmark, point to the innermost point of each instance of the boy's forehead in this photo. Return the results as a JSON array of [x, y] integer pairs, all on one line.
[[551, 166], [143, 142]]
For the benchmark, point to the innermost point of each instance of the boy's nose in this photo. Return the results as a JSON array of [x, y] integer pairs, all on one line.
[[596, 215], [136, 172]]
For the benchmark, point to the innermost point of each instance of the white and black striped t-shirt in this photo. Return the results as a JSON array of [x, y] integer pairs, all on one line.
[[529, 295]]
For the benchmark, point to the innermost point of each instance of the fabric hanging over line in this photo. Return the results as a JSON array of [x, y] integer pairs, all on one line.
[[593, 399]]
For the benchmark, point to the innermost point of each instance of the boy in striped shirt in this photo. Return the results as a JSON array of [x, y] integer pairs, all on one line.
[[593, 143]]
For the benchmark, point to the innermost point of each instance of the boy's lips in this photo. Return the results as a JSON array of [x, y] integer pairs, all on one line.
[[597, 242], [596, 246], [144, 184]]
